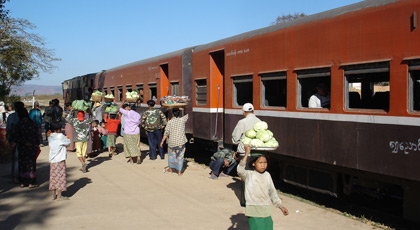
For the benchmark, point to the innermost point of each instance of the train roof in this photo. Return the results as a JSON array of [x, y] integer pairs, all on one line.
[[152, 59], [310, 18]]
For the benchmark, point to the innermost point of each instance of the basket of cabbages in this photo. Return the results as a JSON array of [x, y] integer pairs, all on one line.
[[260, 138]]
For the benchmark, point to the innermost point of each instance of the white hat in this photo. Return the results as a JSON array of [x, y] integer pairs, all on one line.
[[248, 107]]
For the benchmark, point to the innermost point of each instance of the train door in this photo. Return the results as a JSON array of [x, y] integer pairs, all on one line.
[[164, 80], [217, 72]]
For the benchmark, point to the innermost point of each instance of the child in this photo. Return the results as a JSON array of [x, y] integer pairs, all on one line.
[[103, 135], [81, 133], [259, 190], [96, 139], [111, 126], [58, 154]]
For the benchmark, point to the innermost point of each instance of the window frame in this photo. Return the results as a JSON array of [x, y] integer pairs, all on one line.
[[272, 76], [173, 83], [151, 86], [413, 65], [197, 86], [306, 73], [364, 68], [246, 78]]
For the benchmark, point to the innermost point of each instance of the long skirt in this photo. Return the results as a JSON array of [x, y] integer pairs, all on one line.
[[69, 130], [27, 163], [58, 180], [96, 141], [260, 223], [176, 157], [110, 140], [131, 145]]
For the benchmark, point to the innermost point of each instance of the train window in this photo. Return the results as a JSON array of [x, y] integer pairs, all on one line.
[[201, 91], [242, 90], [313, 88], [414, 84], [139, 87], [153, 91], [274, 89], [175, 88], [111, 89], [120, 93], [367, 86], [128, 88], [105, 91]]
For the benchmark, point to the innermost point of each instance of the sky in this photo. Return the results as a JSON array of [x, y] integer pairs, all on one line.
[[94, 35]]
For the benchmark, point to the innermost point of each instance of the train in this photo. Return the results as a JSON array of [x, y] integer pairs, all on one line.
[[367, 54]]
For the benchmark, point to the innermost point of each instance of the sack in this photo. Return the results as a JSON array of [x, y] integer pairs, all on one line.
[[154, 120]]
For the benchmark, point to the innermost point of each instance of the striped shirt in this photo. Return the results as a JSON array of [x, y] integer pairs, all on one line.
[[175, 131]]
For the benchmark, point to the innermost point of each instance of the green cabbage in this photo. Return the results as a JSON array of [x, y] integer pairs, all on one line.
[[246, 140], [256, 143], [271, 143], [110, 96], [132, 94], [264, 135], [111, 109], [80, 105], [97, 92], [251, 133], [261, 125]]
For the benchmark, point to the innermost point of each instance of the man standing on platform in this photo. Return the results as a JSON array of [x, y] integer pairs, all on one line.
[[153, 121]]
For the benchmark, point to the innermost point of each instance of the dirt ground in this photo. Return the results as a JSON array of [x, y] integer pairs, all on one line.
[[114, 194]]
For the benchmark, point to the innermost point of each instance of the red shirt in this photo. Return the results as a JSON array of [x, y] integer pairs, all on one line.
[[112, 125]]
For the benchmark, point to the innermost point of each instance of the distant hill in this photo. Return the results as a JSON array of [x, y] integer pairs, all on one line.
[[28, 89]]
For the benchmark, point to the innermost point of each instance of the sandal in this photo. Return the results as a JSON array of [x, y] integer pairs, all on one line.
[[213, 177], [223, 175], [167, 170]]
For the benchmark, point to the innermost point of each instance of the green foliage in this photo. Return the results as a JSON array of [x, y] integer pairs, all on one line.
[[288, 17], [23, 54]]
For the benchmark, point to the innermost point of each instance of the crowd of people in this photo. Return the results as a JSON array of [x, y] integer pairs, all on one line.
[[91, 132]]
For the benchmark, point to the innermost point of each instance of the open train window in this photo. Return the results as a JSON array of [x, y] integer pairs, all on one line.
[[105, 91], [201, 91], [274, 89], [139, 87], [313, 88], [175, 88], [367, 86], [111, 89], [242, 90], [414, 85], [129, 88], [120, 93], [153, 91]]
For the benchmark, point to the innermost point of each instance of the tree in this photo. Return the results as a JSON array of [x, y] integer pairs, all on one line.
[[22, 54], [3, 12], [288, 17]]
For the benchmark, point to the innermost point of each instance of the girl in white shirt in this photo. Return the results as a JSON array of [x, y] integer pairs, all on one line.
[[259, 190], [58, 153]]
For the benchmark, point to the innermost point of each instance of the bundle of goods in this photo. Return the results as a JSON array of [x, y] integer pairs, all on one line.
[[132, 96], [111, 109], [174, 101], [109, 98], [96, 96], [260, 138], [80, 105]]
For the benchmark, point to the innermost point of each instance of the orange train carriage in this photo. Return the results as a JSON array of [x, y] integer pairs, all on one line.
[[368, 55]]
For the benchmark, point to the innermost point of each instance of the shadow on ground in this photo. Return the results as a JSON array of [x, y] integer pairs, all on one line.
[[21, 207], [77, 185], [239, 221]]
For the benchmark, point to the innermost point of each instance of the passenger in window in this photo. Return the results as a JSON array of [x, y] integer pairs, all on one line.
[[321, 99]]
